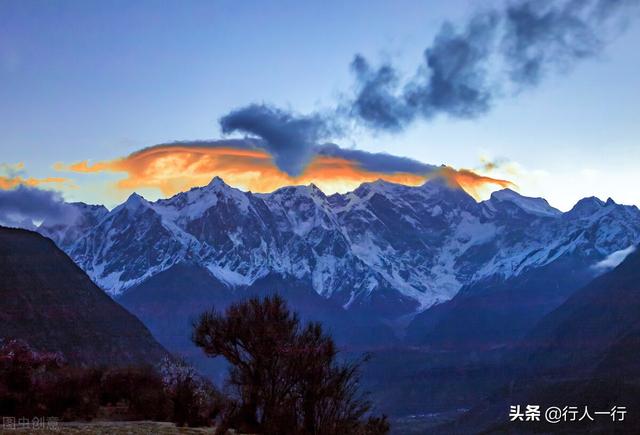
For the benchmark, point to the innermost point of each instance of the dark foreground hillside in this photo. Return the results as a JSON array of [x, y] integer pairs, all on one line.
[[583, 354], [52, 304]]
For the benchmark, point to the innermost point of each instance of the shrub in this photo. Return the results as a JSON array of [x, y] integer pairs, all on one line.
[[285, 377], [140, 388], [195, 402]]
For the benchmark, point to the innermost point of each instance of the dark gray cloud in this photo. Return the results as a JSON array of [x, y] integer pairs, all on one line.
[[497, 52], [538, 38], [376, 102], [377, 162], [24, 205], [465, 70], [289, 138], [454, 79]]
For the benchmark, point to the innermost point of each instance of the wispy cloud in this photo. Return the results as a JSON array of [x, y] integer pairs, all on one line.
[[11, 182], [614, 259], [13, 175], [497, 52]]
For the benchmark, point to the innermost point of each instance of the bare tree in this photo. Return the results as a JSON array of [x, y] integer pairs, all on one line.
[[286, 376]]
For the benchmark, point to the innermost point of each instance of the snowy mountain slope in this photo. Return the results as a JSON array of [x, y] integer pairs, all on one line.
[[397, 247], [130, 244], [66, 234], [535, 206]]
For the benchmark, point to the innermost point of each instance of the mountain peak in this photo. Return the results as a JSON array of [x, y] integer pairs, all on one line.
[[85, 206], [505, 194], [535, 206], [134, 202], [441, 183], [316, 191], [586, 206], [217, 183], [134, 198], [591, 201], [297, 191], [442, 188], [377, 186], [380, 182]]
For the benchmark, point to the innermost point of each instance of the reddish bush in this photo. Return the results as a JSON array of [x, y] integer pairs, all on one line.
[[23, 373], [140, 389], [38, 383]]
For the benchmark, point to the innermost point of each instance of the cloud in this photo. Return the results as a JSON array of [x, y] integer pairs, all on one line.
[[537, 38], [471, 182], [497, 50], [376, 102], [453, 79], [23, 206], [176, 167], [614, 259], [12, 169], [12, 175], [289, 138], [376, 162], [11, 182]]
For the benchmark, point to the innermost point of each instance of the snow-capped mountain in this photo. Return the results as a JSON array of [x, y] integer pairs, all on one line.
[[397, 247], [85, 217]]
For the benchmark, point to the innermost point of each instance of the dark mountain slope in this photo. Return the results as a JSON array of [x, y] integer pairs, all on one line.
[[353, 329], [170, 301], [495, 312], [584, 353], [52, 304], [599, 321]]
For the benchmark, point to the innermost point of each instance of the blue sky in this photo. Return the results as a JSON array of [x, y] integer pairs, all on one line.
[[98, 80]]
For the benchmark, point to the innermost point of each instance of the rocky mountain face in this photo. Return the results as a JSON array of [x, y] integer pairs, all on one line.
[[385, 249], [52, 304], [559, 254]]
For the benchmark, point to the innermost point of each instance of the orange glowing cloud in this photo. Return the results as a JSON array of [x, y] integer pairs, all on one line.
[[474, 184], [174, 168], [7, 183]]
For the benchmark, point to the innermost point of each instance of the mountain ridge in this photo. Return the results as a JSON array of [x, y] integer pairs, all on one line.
[[425, 242]]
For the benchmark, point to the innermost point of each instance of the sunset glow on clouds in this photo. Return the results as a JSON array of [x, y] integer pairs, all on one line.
[[11, 176], [11, 182], [176, 167], [557, 107]]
